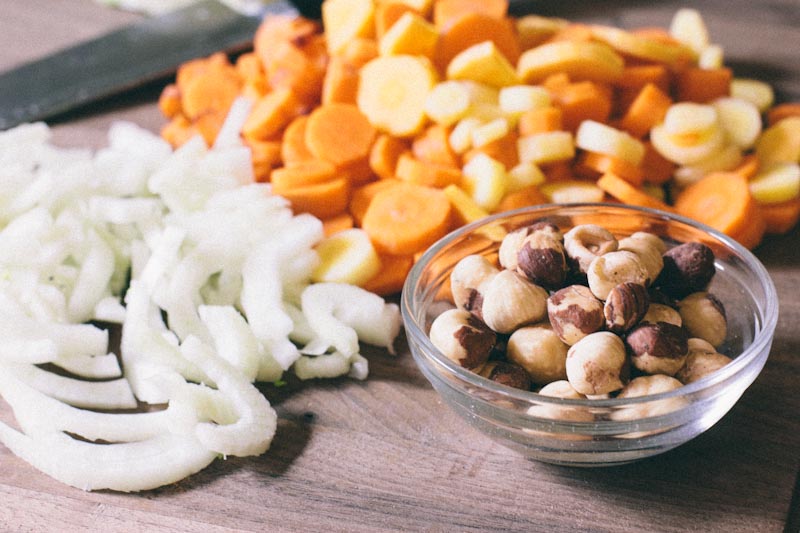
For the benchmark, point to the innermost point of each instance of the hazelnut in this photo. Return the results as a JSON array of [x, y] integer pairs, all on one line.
[[466, 279], [574, 312], [462, 338], [539, 351], [596, 364], [625, 306], [703, 359], [512, 242], [511, 301], [541, 259], [585, 242], [650, 249], [688, 268], [703, 316], [508, 374], [609, 270], [661, 313], [659, 348], [646, 386], [562, 389]]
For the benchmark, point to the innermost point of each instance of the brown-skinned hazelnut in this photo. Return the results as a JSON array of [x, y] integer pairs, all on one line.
[[507, 373], [562, 389], [703, 316], [625, 306], [659, 348], [541, 259], [703, 359], [596, 364], [657, 312], [511, 301], [574, 312], [507, 254], [650, 249], [462, 338], [609, 270], [688, 268], [585, 242], [539, 351], [466, 279]]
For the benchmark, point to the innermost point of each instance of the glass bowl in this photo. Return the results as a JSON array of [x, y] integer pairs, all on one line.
[[594, 432]]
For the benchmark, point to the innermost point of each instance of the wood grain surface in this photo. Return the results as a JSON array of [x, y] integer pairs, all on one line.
[[386, 454]]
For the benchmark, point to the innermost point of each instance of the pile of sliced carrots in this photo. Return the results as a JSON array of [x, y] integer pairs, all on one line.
[[404, 184]]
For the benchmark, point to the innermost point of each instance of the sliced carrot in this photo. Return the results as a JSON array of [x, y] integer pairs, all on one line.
[[657, 169], [407, 218], [323, 200], [748, 167], [208, 125], [266, 155], [626, 193], [196, 67], [384, 154], [340, 83], [585, 100], [646, 111], [433, 146], [301, 174], [169, 101], [540, 120], [178, 130], [473, 28], [271, 114], [279, 29], [339, 133], [412, 170], [781, 217], [521, 198], [357, 173], [387, 13], [337, 223], [782, 111], [723, 201], [300, 69], [556, 82], [249, 67], [447, 11], [602, 163], [635, 77], [558, 171], [293, 142], [392, 275], [700, 85], [503, 149], [363, 195], [212, 91], [572, 32]]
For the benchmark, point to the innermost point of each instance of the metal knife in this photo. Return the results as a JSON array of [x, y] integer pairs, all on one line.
[[129, 57]]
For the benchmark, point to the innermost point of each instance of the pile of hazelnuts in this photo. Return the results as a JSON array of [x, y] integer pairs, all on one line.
[[583, 314]]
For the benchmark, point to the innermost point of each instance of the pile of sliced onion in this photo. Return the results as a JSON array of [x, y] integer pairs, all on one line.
[[206, 272]]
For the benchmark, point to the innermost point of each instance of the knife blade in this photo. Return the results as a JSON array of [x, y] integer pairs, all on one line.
[[122, 59]]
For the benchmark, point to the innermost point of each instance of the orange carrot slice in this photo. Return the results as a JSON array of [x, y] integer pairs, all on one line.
[[339, 133], [626, 193]]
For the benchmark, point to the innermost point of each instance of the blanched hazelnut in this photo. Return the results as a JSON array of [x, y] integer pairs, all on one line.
[[659, 348], [541, 259], [584, 242], [703, 316], [574, 312], [466, 279], [661, 313], [539, 351], [596, 363], [562, 389], [609, 270], [625, 306], [511, 301], [688, 268], [650, 249], [703, 359], [462, 338], [505, 373], [645, 386], [509, 247]]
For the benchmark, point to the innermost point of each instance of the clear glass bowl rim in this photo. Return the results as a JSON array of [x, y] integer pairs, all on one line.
[[761, 339]]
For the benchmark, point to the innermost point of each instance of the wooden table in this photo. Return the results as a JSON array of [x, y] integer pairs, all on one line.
[[386, 454]]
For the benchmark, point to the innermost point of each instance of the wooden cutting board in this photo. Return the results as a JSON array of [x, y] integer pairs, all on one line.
[[386, 454]]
